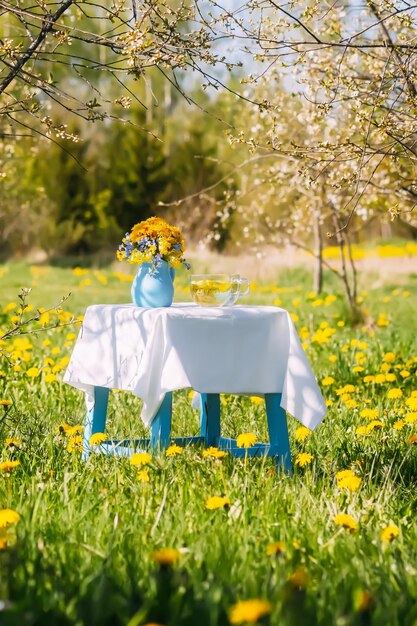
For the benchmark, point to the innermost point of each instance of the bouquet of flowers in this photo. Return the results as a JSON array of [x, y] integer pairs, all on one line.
[[153, 241]]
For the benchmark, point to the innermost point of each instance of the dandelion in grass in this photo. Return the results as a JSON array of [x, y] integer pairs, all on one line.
[[62, 429], [97, 439], [50, 378], [143, 476], [346, 521], [368, 379], [362, 431], [249, 611], [140, 458], [302, 433], [275, 548], [394, 394], [412, 439], [33, 372], [246, 440], [174, 450], [6, 402], [166, 556], [7, 466], [389, 533], [411, 418], [217, 502], [75, 444], [214, 453], [391, 378], [346, 479], [8, 517], [375, 424], [389, 357], [399, 425], [12, 442], [256, 400], [411, 403], [74, 430], [369, 413], [303, 459], [327, 381], [299, 578]]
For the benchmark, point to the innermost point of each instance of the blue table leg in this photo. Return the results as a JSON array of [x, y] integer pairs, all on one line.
[[210, 418], [96, 418], [278, 429], [161, 424]]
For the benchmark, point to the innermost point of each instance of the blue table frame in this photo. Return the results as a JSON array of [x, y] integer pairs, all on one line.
[[210, 435]]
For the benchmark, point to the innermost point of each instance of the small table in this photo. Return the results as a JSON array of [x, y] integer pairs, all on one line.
[[250, 350]]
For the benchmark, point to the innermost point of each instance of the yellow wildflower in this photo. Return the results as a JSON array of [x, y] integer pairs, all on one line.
[[346, 479], [404, 373], [362, 430], [345, 520], [389, 533], [97, 438], [246, 440], [6, 402], [143, 476], [394, 393], [391, 378], [275, 548], [412, 403], [412, 439], [299, 578], [256, 400], [62, 429], [75, 444], [369, 413], [399, 425], [74, 430], [141, 458], [411, 418], [174, 450], [166, 556], [50, 378], [389, 357], [302, 433], [8, 517], [214, 453], [217, 502], [368, 379], [6, 466], [33, 372], [374, 424], [328, 380], [249, 611], [380, 378], [303, 459], [11, 442]]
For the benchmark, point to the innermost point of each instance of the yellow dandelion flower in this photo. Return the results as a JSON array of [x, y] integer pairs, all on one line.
[[166, 556], [328, 380], [332, 358], [256, 400], [216, 502], [399, 425], [75, 444], [375, 424], [214, 453], [33, 372], [6, 466], [411, 403], [6, 402], [246, 440], [380, 378], [362, 430], [394, 393], [302, 433], [74, 430], [404, 373], [389, 533], [143, 476], [62, 429], [345, 520], [348, 480], [278, 547], [8, 517], [303, 459], [97, 439], [412, 439], [390, 378], [369, 413], [299, 578], [357, 369], [12, 442], [50, 378], [140, 458], [389, 357], [411, 418], [174, 450], [368, 379], [249, 611]]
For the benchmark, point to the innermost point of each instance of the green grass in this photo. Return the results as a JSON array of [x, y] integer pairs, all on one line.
[[81, 553]]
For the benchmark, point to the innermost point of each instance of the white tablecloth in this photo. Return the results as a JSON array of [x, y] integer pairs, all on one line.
[[239, 349]]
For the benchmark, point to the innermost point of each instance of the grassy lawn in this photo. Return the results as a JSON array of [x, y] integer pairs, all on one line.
[[83, 550]]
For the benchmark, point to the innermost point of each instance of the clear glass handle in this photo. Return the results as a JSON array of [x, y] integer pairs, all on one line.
[[240, 287]]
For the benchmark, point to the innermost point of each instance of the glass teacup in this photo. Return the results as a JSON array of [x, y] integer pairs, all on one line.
[[217, 289]]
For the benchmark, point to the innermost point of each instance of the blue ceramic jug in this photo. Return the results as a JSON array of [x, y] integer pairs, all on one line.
[[153, 289]]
